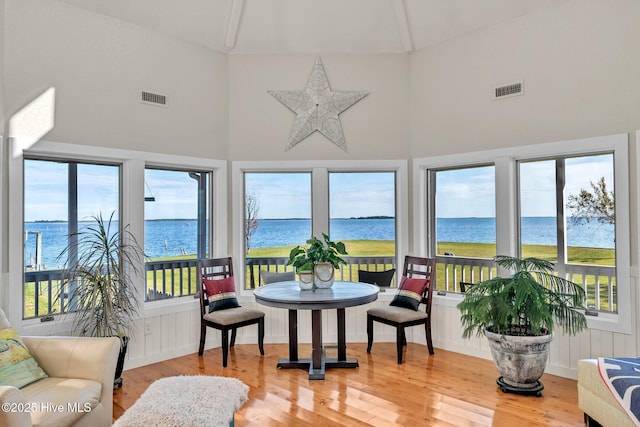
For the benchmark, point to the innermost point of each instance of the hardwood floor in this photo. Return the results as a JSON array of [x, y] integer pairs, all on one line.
[[446, 389]]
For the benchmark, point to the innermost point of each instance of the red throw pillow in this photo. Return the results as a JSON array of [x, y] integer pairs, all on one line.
[[221, 293], [410, 293]]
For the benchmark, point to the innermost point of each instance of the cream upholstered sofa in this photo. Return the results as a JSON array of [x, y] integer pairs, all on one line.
[[596, 400], [78, 390]]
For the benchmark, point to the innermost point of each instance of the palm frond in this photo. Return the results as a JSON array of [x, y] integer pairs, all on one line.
[[102, 295], [534, 299]]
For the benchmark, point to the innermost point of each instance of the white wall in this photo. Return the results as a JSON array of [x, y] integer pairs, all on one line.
[[98, 66], [580, 66], [376, 127]]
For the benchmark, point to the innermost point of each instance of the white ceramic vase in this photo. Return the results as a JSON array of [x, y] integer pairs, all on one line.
[[323, 275], [305, 280]]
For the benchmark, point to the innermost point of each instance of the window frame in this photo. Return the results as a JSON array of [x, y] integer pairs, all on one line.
[[72, 192], [201, 250], [133, 164], [320, 200], [507, 218], [431, 182]]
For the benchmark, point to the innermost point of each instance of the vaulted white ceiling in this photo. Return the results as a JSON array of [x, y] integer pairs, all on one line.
[[314, 26]]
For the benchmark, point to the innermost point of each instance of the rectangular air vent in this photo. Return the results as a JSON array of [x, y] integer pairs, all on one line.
[[505, 91], [153, 99]]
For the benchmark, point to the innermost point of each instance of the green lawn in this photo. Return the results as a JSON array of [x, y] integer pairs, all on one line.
[[577, 255], [354, 248], [476, 250]]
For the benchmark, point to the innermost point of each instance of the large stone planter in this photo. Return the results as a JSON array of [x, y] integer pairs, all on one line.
[[521, 360]]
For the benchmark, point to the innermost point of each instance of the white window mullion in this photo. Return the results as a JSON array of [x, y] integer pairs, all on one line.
[[319, 201], [561, 219], [218, 212], [430, 221], [13, 289], [132, 208], [506, 207], [402, 216]]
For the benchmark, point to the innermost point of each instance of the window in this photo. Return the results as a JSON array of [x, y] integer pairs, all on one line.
[[277, 212], [465, 224], [538, 209], [362, 214], [465, 212], [60, 197], [586, 229], [537, 190], [578, 233], [356, 203], [362, 210], [176, 230], [45, 177]]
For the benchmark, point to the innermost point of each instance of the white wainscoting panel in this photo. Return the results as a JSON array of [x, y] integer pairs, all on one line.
[[177, 334]]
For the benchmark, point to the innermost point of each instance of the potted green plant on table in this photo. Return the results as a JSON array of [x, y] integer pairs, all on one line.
[[97, 286], [517, 314], [303, 265], [321, 257]]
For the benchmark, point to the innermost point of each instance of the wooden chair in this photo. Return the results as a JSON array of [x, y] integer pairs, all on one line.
[[269, 277], [381, 279], [225, 319], [401, 317], [464, 286]]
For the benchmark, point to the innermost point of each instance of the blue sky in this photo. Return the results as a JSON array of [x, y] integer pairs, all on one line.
[[470, 192], [175, 195], [361, 194], [288, 195], [461, 193], [46, 188], [281, 195]]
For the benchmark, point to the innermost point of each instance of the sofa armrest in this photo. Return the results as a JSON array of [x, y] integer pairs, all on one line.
[[78, 357], [14, 412]]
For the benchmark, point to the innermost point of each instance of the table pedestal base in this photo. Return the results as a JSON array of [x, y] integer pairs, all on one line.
[[343, 294], [317, 374]]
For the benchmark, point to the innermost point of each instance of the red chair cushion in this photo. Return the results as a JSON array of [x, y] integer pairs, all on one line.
[[410, 293], [221, 293]]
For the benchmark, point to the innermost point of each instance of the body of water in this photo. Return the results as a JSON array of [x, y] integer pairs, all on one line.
[[535, 231], [285, 232], [176, 237]]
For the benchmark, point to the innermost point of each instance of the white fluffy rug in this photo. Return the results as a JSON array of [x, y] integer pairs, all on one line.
[[187, 401]]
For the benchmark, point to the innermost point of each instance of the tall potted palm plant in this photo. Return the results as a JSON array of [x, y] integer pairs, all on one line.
[[98, 286], [518, 313]]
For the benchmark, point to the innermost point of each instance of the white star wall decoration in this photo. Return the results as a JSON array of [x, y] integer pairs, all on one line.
[[317, 108]]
